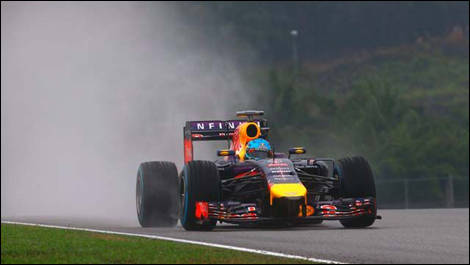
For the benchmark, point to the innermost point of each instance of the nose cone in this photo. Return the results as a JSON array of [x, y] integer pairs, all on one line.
[[288, 190], [287, 200]]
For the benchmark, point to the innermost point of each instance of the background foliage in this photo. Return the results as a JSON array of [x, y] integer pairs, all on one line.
[[389, 81]]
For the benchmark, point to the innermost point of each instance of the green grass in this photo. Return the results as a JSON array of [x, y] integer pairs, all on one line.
[[28, 244]]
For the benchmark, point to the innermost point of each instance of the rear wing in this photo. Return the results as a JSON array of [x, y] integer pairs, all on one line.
[[214, 130]]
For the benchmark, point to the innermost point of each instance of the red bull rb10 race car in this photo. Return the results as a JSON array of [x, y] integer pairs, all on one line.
[[253, 185]]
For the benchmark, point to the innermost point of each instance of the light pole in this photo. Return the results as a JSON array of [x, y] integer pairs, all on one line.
[[294, 33]]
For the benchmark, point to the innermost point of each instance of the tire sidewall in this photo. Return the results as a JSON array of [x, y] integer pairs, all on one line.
[[139, 197], [187, 206], [357, 181], [158, 198], [194, 192]]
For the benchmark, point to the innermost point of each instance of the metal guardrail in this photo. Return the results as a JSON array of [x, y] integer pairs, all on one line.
[[443, 192]]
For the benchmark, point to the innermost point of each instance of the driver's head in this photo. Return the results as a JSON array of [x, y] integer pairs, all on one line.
[[258, 149]]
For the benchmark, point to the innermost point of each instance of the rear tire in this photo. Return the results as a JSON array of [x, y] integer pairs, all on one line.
[[157, 194], [200, 183], [357, 181]]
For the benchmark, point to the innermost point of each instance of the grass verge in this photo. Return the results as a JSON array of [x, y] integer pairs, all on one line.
[[28, 244]]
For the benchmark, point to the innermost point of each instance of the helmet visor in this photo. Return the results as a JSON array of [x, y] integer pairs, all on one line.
[[257, 154]]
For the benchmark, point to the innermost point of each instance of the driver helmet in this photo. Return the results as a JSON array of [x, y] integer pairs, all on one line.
[[258, 149]]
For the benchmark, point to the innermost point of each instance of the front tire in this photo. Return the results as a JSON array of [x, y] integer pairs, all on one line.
[[357, 181], [200, 183], [157, 194]]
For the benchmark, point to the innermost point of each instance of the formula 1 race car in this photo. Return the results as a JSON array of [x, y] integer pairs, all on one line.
[[251, 184]]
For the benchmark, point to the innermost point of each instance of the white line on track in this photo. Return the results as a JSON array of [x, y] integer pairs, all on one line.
[[256, 251]]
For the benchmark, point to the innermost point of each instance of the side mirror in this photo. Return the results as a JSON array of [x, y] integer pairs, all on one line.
[[225, 152], [297, 151]]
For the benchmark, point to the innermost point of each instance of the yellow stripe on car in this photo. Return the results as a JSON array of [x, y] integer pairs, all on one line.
[[288, 190]]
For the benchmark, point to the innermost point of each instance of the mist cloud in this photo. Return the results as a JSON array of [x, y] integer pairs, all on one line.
[[91, 89]]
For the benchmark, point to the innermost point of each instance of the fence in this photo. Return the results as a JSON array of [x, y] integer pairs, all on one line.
[[445, 192]]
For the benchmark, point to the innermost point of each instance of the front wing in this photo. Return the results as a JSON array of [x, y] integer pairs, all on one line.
[[238, 213]]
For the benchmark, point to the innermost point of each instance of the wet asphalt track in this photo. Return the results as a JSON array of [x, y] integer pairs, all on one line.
[[402, 236]]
